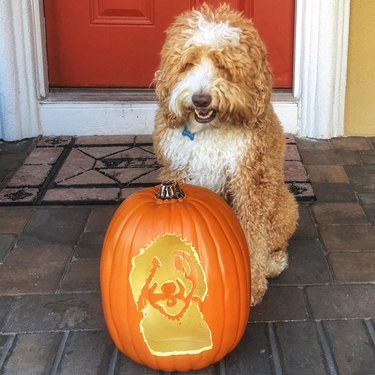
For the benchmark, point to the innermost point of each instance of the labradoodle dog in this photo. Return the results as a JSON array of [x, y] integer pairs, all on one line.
[[217, 128]]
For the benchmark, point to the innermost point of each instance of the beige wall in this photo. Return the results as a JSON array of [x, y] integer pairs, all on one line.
[[360, 93]]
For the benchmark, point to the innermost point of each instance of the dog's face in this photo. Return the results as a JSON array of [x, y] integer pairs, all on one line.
[[213, 71]]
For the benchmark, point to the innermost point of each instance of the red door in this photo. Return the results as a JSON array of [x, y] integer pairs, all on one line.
[[116, 43]]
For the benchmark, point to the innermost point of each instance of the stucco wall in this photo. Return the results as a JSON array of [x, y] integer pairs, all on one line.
[[360, 94]]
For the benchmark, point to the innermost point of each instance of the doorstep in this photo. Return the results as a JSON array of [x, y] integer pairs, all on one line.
[[107, 169]]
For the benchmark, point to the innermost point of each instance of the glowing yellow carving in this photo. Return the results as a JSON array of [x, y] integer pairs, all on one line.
[[168, 284]]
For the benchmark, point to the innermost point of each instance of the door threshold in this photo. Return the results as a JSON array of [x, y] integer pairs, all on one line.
[[130, 95], [100, 95]]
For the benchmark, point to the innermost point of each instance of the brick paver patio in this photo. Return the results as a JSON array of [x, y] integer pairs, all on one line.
[[317, 317]]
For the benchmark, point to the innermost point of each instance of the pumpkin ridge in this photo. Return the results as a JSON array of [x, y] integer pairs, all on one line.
[[219, 217], [129, 216], [200, 229]]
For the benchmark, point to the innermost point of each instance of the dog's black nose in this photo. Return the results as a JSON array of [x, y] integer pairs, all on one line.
[[201, 100]]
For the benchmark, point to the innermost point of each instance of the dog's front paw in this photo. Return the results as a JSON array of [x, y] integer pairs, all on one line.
[[277, 263], [258, 290]]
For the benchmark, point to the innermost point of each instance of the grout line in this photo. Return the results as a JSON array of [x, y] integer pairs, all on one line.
[[370, 327], [53, 172], [6, 349], [112, 362], [60, 352], [327, 351], [308, 308], [274, 349]]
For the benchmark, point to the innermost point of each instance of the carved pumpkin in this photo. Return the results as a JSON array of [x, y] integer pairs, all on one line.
[[175, 278]]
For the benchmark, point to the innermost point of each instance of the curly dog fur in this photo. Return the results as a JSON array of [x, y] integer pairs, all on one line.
[[216, 127]]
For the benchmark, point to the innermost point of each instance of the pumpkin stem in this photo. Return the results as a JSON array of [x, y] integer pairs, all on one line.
[[170, 190]]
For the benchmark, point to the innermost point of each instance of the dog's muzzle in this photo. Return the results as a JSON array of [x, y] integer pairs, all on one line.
[[202, 112]]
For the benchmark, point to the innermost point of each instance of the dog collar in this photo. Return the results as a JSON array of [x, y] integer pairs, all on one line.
[[187, 133]]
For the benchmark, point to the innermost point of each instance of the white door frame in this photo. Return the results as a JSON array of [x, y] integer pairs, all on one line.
[[316, 108]]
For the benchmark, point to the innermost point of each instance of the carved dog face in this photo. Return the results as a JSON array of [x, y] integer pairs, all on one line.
[[168, 284]]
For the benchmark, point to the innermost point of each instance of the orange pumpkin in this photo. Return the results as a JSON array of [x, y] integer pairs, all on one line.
[[175, 278]]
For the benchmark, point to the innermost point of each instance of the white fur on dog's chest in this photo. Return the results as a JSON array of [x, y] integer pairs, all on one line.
[[209, 159]]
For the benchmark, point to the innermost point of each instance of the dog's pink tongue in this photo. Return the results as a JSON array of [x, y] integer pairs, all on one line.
[[203, 112]]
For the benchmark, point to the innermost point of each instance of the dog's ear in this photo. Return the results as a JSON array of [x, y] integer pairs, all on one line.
[[162, 95], [260, 76]]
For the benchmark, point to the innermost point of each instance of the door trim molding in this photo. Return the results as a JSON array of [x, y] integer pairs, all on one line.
[[317, 109]]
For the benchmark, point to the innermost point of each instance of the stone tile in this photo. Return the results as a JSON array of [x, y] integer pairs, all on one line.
[[86, 353], [20, 147], [347, 157], [351, 346], [295, 171], [362, 177], [151, 163], [307, 264], [148, 178], [327, 174], [126, 366], [134, 153], [353, 267], [280, 304], [368, 157], [45, 313], [313, 144], [330, 157], [105, 140], [6, 304], [6, 244], [144, 138], [305, 227], [90, 177], [291, 152], [336, 192], [44, 155], [30, 176], [252, 353], [101, 152], [89, 245], [368, 203], [342, 301], [32, 354], [300, 347], [128, 191], [82, 276], [126, 175], [349, 238], [339, 214], [54, 141], [210, 370], [11, 162], [149, 149], [6, 342], [99, 218], [18, 195], [77, 162], [51, 225], [82, 195], [30, 270], [14, 219], [302, 191], [290, 138], [351, 143]]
